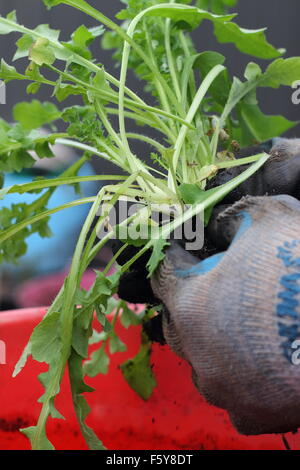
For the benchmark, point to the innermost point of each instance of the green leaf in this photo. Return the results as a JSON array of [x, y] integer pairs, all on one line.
[[101, 316], [23, 359], [157, 255], [82, 330], [45, 339], [216, 6], [62, 91], [48, 33], [282, 72], [82, 38], [21, 159], [98, 337], [138, 372], [42, 443], [23, 46], [237, 92], [36, 43], [8, 72], [97, 364], [116, 344], [129, 317], [6, 26], [41, 53], [35, 114], [83, 123], [101, 290], [261, 126], [252, 42], [45, 379], [82, 409], [33, 88], [43, 150], [191, 193], [192, 16]]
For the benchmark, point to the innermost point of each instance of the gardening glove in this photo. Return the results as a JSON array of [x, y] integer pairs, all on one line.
[[234, 316], [279, 175]]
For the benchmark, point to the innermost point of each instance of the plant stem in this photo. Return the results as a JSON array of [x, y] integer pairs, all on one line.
[[148, 140], [191, 114], [172, 68]]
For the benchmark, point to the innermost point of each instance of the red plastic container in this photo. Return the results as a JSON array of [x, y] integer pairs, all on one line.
[[175, 417]]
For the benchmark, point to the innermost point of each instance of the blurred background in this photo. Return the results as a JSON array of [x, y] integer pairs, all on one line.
[[42, 270]]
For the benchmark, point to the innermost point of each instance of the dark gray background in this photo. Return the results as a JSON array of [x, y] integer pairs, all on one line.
[[281, 17]]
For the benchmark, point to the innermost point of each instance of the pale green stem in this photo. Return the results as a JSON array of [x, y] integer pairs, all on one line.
[[210, 77]]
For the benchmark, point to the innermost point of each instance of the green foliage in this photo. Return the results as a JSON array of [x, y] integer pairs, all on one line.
[[83, 124], [138, 372], [216, 6], [13, 248], [157, 255], [35, 114]]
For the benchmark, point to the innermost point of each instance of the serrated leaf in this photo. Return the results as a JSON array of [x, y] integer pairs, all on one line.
[[98, 337], [6, 26], [82, 330], [248, 41], [130, 318], [261, 126], [45, 339], [82, 38], [20, 159], [39, 441], [48, 33], [191, 193], [216, 6], [41, 54], [282, 72], [82, 409], [35, 114], [116, 344], [76, 374], [157, 255], [62, 91], [97, 364], [83, 123], [23, 45], [45, 379], [100, 291], [101, 316], [191, 16], [33, 88], [138, 372], [33, 73], [238, 91], [23, 359], [8, 72], [43, 150]]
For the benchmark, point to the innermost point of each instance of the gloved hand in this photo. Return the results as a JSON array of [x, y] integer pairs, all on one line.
[[235, 316], [280, 175]]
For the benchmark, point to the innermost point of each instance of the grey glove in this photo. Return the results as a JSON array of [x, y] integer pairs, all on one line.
[[235, 316], [279, 175]]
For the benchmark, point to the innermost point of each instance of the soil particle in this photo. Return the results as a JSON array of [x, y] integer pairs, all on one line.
[[13, 425]]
